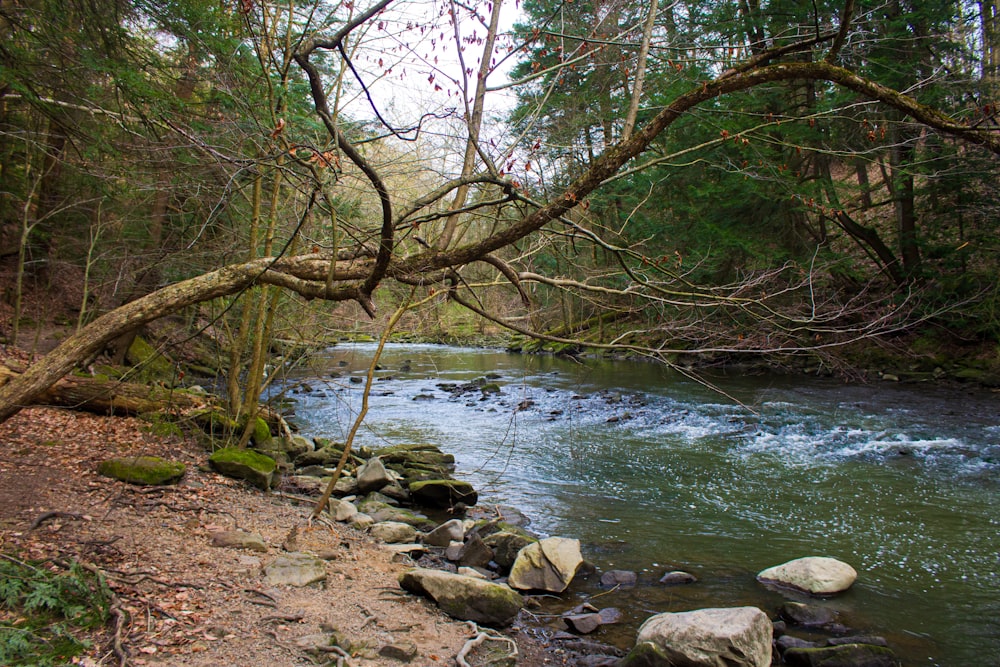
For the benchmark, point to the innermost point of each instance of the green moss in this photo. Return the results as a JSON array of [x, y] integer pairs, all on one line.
[[146, 470], [152, 363], [261, 433], [244, 456]]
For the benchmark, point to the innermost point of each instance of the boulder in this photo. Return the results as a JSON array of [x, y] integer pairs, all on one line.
[[728, 637], [546, 565], [372, 476], [147, 470], [244, 464], [443, 493], [817, 575], [295, 569], [446, 533], [237, 539], [845, 655], [393, 532], [506, 546], [465, 598]]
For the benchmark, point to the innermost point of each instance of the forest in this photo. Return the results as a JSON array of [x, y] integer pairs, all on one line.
[[812, 184]]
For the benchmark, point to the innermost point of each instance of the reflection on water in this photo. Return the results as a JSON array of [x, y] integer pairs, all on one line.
[[653, 471]]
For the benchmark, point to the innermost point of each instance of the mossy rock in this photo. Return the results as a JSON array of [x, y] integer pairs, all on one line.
[[214, 422], [145, 470], [646, 654], [152, 363], [245, 464], [443, 493], [844, 655]]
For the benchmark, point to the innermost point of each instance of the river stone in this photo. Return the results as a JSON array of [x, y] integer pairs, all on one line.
[[244, 464], [372, 476], [678, 577], [237, 539], [402, 651], [727, 637], [443, 492], [393, 532], [506, 546], [623, 578], [148, 470], [584, 624], [446, 533], [342, 510], [818, 575], [845, 655], [295, 569], [546, 565], [475, 553], [807, 615], [465, 598]]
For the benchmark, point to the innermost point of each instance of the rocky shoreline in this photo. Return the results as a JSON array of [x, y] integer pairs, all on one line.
[[486, 567]]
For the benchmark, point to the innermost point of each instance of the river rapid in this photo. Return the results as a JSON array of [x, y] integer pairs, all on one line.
[[653, 471]]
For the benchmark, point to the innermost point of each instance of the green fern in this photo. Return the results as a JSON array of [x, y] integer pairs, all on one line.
[[44, 609]]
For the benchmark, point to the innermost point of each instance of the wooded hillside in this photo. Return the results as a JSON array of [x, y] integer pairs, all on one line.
[[657, 178]]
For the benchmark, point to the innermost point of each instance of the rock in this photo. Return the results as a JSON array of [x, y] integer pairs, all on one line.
[[817, 575], [846, 655], [583, 624], [466, 571], [443, 492], [677, 578], [613, 578], [413, 550], [298, 445], [295, 569], [546, 565], [807, 615], [415, 519], [244, 464], [446, 533], [306, 483], [237, 539], [785, 642], [454, 551], [465, 598], [475, 553], [146, 470], [401, 651], [610, 615], [506, 546], [728, 637], [393, 532], [342, 510], [858, 639], [362, 522], [372, 476]]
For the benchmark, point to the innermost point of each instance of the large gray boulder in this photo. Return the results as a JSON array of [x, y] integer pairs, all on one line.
[[546, 565], [465, 598], [727, 637], [372, 476], [818, 575]]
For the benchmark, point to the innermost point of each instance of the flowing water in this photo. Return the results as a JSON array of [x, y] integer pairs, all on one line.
[[653, 472]]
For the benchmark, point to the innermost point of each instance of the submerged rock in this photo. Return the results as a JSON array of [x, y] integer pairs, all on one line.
[[845, 655], [818, 575]]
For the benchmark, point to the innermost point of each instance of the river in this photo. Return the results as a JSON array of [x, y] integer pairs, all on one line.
[[653, 471]]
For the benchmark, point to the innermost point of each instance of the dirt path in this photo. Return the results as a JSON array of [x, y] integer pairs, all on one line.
[[190, 603]]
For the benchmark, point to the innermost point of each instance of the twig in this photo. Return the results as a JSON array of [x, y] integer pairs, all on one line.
[[52, 515]]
